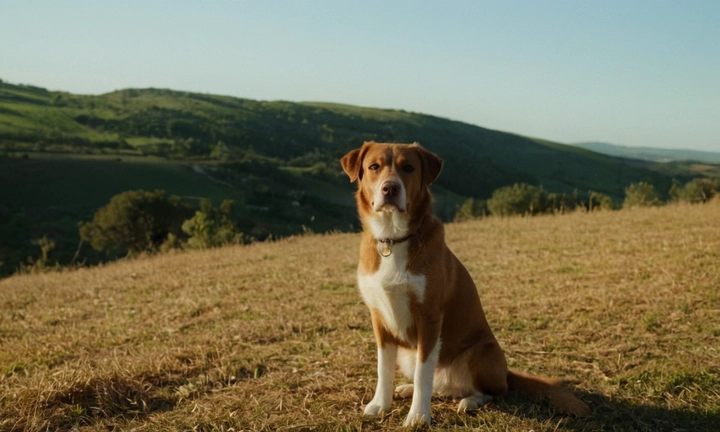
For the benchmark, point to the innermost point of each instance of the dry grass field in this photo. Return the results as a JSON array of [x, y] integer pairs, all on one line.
[[623, 305]]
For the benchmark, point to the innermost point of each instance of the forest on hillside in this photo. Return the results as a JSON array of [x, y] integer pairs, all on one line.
[[63, 157]]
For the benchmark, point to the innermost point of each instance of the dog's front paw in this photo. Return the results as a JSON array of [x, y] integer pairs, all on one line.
[[417, 418], [374, 409]]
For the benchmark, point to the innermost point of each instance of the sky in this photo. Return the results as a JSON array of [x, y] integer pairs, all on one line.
[[634, 73]]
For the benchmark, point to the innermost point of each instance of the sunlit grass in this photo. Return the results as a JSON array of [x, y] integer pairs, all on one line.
[[624, 305]]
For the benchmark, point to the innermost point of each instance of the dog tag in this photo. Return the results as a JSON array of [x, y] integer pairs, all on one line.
[[386, 251]]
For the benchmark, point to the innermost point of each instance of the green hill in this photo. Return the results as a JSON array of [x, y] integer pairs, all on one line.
[[185, 125], [652, 154], [64, 155]]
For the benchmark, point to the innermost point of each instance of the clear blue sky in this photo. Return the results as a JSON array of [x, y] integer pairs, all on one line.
[[629, 72]]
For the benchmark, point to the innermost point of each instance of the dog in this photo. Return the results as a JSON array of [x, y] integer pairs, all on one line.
[[426, 312]]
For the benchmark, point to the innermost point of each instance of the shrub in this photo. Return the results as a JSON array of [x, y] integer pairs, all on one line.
[[640, 195], [600, 201], [223, 152], [699, 190], [42, 263], [471, 208], [211, 227], [520, 198], [556, 203], [135, 221]]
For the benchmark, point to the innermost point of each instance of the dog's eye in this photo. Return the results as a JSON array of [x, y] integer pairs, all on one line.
[[374, 167], [408, 168]]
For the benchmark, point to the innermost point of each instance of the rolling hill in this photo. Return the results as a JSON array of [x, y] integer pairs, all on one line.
[[651, 153], [62, 156], [183, 125]]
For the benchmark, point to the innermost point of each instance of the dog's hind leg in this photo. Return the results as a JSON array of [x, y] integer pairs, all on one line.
[[406, 359], [489, 369]]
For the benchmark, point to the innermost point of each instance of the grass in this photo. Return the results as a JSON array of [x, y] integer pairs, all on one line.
[[273, 336]]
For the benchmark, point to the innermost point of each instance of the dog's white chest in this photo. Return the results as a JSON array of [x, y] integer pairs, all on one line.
[[390, 291]]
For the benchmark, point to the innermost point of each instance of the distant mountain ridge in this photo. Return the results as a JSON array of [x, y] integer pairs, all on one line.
[[652, 154]]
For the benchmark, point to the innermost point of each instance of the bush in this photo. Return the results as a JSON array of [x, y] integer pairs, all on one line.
[[600, 201], [135, 221], [223, 152], [42, 263], [520, 198], [211, 227], [640, 195], [561, 203], [700, 190], [471, 209]]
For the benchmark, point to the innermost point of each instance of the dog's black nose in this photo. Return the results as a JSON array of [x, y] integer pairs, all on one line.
[[390, 188]]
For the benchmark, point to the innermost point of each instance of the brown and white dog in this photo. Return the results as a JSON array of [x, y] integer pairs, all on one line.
[[425, 308]]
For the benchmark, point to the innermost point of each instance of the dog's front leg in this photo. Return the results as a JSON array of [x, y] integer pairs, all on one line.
[[387, 354], [425, 364]]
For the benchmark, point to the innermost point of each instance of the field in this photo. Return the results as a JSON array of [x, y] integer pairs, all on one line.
[[623, 305], [86, 182]]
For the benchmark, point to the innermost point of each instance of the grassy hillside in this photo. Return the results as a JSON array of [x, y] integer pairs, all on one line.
[[273, 336], [277, 160], [184, 124], [49, 193], [653, 154]]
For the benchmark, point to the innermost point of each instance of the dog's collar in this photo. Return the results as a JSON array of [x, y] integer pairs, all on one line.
[[387, 244]]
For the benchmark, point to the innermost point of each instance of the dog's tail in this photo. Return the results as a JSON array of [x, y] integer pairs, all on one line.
[[561, 397]]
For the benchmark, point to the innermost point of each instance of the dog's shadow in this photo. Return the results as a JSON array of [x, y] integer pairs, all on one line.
[[618, 414], [607, 415]]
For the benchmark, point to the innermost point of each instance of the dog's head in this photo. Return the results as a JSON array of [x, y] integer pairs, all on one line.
[[393, 179]]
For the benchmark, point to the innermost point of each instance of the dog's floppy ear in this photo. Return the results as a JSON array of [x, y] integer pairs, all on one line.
[[431, 165], [352, 162]]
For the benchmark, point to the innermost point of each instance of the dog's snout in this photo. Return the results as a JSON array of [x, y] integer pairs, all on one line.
[[390, 188], [389, 195]]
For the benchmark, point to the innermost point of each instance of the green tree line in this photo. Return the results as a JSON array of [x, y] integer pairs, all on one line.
[[528, 200], [140, 221], [136, 222]]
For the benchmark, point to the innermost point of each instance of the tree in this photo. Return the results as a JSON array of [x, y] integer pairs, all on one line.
[[211, 227], [640, 195], [600, 201], [42, 263], [561, 203], [471, 208], [135, 221], [676, 191], [520, 198], [699, 190]]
